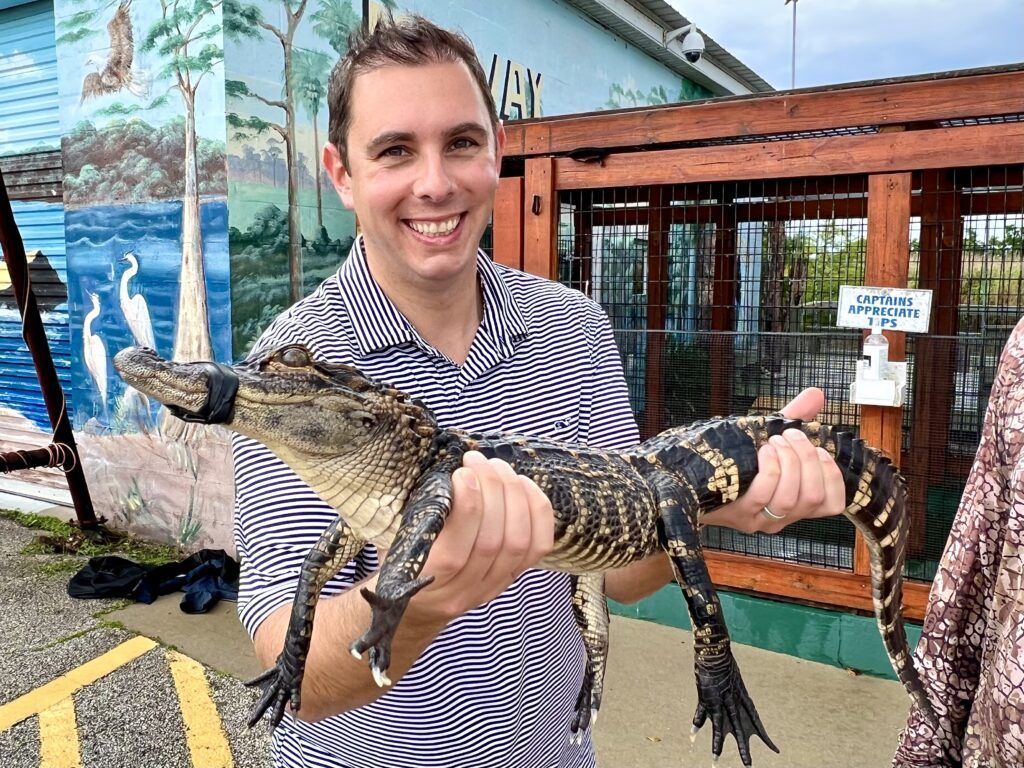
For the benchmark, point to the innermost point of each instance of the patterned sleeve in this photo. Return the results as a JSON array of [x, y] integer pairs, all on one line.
[[953, 641], [610, 422]]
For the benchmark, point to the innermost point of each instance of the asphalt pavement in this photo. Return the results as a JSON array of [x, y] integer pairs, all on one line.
[[105, 684]]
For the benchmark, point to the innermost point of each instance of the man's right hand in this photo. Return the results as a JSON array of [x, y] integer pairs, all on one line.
[[500, 524]]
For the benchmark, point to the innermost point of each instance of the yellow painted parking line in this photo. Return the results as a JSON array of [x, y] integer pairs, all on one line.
[[207, 744], [44, 697], [58, 736]]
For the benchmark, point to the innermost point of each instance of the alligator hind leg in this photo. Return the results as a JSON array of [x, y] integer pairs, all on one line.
[[398, 580], [282, 683], [721, 694], [590, 607]]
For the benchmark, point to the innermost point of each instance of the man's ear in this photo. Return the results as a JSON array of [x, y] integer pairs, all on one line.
[[499, 145], [334, 164]]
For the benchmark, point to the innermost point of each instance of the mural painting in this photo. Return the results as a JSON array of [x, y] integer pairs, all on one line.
[[196, 209], [288, 229], [141, 91]]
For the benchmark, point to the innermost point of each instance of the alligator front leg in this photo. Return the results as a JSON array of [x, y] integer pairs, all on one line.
[[590, 608], [398, 580], [721, 694], [282, 683]]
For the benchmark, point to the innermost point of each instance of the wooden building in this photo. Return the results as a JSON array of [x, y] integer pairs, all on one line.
[[716, 235]]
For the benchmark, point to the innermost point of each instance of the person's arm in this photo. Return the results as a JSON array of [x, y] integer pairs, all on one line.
[[499, 525], [953, 646]]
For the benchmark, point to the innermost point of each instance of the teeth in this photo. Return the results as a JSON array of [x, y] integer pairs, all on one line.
[[435, 228]]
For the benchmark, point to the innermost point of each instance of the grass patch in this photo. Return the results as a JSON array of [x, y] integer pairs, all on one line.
[[115, 605], [63, 538], [61, 566], [39, 522], [82, 633]]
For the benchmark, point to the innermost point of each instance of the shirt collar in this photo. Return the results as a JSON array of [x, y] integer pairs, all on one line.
[[378, 324]]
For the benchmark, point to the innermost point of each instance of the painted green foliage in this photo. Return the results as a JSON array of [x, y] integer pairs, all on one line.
[[628, 95], [274, 263]]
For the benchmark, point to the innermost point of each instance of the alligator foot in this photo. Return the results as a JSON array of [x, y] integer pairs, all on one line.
[[279, 686], [723, 697], [587, 705], [387, 604]]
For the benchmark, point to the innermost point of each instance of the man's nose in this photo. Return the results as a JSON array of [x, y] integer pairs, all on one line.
[[434, 182]]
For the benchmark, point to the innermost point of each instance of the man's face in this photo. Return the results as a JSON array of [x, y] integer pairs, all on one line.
[[423, 166]]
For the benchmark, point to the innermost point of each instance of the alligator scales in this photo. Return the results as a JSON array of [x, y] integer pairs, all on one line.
[[380, 459]]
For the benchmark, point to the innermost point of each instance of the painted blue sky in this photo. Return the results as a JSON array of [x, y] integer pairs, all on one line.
[[842, 41]]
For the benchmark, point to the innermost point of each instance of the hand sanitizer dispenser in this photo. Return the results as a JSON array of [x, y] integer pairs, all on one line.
[[878, 382], [905, 310]]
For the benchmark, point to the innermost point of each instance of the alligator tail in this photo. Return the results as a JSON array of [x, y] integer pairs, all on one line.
[[876, 503]]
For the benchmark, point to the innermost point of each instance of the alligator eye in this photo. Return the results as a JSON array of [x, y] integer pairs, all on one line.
[[295, 357]]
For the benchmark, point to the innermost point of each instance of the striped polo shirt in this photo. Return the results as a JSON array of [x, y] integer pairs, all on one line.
[[498, 686]]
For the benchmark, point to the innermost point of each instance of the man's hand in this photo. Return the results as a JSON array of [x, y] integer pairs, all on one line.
[[795, 480], [500, 524]]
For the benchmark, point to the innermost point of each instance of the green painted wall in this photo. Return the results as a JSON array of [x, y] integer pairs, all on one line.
[[841, 639]]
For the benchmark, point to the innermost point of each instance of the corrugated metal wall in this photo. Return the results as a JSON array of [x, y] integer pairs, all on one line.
[[30, 160]]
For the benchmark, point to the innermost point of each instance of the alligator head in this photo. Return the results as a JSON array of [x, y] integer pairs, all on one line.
[[329, 423]]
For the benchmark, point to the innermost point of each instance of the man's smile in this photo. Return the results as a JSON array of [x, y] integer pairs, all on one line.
[[435, 228]]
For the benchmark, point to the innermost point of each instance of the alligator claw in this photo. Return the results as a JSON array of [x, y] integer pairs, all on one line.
[[387, 605], [723, 698], [279, 686], [587, 705]]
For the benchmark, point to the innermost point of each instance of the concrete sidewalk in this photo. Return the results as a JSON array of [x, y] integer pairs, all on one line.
[[818, 715]]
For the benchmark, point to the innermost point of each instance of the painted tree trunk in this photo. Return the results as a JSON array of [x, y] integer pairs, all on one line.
[[318, 175], [294, 231], [192, 327]]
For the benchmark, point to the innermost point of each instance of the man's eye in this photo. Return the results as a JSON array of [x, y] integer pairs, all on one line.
[[393, 152], [464, 143]]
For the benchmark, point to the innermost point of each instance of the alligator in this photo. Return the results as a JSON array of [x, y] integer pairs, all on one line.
[[381, 460]]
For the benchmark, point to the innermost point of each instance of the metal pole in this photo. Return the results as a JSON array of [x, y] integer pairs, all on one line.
[[35, 337], [366, 15], [792, 84]]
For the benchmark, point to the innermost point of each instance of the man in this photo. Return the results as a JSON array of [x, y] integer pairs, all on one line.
[[971, 653], [488, 660]]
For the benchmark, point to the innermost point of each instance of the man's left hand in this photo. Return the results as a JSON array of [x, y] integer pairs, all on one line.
[[795, 480]]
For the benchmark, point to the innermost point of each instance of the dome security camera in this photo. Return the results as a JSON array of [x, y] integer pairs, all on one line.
[[693, 46], [692, 43]]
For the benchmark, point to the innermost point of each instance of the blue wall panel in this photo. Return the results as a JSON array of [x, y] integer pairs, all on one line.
[[29, 122]]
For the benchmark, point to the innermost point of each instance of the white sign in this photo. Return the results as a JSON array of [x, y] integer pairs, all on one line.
[[893, 309]]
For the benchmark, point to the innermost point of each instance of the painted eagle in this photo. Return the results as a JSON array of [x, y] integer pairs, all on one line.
[[117, 73]]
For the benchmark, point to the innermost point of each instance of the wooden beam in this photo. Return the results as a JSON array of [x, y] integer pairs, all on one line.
[[658, 225], [723, 309], [840, 589], [939, 269], [540, 218], [38, 176], [507, 230], [887, 264], [844, 107], [838, 155]]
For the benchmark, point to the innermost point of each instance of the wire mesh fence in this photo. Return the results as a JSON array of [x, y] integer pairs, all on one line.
[[723, 299]]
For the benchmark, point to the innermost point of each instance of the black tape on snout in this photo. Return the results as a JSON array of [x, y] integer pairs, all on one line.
[[222, 385]]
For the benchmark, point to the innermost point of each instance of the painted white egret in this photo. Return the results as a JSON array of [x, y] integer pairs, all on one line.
[[135, 308], [95, 351]]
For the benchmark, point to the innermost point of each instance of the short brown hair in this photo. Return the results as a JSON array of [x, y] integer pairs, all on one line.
[[411, 40]]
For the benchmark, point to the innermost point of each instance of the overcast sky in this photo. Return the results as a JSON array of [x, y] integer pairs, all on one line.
[[839, 41]]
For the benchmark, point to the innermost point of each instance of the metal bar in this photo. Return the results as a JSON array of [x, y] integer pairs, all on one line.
[[14, 461], [35, 337]]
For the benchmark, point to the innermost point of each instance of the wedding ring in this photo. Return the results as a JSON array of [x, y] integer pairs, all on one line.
[[771, 515]]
